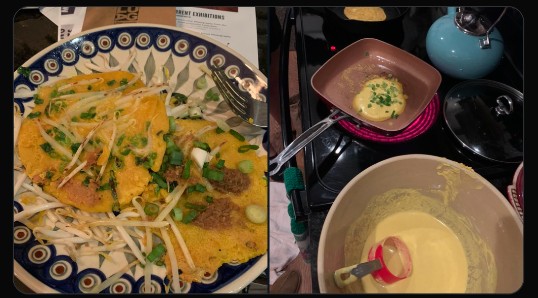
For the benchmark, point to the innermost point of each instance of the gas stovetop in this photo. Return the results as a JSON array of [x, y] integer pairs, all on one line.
[[337, 155]]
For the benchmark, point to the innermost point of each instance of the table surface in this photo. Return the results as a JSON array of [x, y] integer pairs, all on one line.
[[32, 32]]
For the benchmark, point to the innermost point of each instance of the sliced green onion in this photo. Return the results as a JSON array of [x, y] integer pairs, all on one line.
[[24, 71], [34, 115], [113, 183], [102, 187], [120, 140], [245, 166], [222, 125], [209, 199], [125, 151], [199, 187], [159, 180], [256, 214], [236, 135], [187, 170], [170, 145], [178, 98], [86, 181], [219, 130], [195, 113], [37, 100], [190, 189], [172, 123], [177, 214], [220, 164], [74, 147], [90, 114], [151, 209], [196, 207], [202, 145], [214, 175], [176, 158], [190, 216], [245, 148], [156, 253], [47, 147]]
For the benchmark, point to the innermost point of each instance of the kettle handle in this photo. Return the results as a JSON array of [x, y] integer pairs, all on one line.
[[484, 43]]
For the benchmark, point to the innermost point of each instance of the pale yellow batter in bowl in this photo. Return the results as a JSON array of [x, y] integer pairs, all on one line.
[[439, 262], [461, 232]]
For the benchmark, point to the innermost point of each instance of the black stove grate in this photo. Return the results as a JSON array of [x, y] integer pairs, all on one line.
[[336, 156]]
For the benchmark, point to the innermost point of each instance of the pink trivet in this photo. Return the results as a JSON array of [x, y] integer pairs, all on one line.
[[416, 128]]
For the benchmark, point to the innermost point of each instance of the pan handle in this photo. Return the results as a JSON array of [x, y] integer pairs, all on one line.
[[302, 140]]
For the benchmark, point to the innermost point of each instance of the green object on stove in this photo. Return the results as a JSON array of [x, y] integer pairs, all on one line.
[[293, 179]]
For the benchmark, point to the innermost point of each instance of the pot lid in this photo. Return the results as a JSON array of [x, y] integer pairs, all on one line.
[[487, 118]]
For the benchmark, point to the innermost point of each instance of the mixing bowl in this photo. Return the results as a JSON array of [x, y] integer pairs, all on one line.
[[489, 229]]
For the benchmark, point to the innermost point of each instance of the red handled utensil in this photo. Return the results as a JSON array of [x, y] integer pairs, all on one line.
[[388, 262]]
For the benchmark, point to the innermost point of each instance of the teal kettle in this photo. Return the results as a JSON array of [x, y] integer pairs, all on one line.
[[464, 44]]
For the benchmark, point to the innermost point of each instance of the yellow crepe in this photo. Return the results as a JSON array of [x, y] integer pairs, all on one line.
[[368, 14], [243, 240], [132, 118], [380, 99], [138, 154]]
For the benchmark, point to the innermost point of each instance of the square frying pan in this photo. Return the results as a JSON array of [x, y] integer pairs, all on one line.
[[343, 76]]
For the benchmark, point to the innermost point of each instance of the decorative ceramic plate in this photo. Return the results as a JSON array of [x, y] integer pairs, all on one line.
[[137, 48], [515, 191]]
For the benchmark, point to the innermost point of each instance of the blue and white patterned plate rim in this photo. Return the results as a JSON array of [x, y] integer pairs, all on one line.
[[142, 25]]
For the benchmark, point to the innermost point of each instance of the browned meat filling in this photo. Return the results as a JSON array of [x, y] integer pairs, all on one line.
[[80, 194], [217, 215], [91, 158], [234, 181], [173, 173], [251, 244]]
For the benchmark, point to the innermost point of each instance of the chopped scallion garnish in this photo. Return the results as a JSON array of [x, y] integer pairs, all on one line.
[[171, 123], [196, 207], [209, 199], [34, 115], [245, 148], [159, 180], [151, 209], [187, 170], [190, 216], [202, 145], [156, 253], [236, 135], [214, 175], [245, 166], [199, 187], [177, 214], [176, 158]]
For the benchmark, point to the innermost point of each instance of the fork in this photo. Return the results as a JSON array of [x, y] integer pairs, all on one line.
[[241, 102]]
